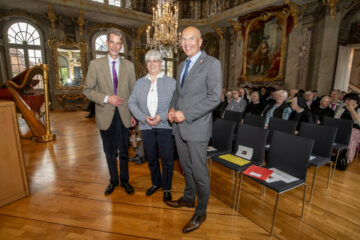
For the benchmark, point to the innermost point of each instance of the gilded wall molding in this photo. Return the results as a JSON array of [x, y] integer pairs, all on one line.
[[294, 12], [140, 30], [80, 21], [332, 5], [218, 31], [238, 27], [51, 17]]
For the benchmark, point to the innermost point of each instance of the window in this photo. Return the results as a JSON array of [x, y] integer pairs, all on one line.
[[101, 48], [100, 1], [116, 3], [25, 49], [168, 64]]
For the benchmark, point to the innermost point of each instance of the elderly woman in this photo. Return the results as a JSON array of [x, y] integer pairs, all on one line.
[[278, 109], [301, 112], [237, 103], [255, 106], [351, 110], [149, 102], [322, 110]]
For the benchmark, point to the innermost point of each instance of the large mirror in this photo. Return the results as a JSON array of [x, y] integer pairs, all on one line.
[[70, 64]]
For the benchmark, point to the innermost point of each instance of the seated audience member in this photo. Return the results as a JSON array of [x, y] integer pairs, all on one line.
[[322, 110], [309, 97], [278, 109], [271, 98], [264, 94], [351, 110], [293, 92], [237, 104], [219, 111], [316, 96], [255, 106], [243, 94], [335, 101], [301, 112], [341, 97]]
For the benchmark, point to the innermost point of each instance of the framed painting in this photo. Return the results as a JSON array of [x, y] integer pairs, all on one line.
[[264, 47]]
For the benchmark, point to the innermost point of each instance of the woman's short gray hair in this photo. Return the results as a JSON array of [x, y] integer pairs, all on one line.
[[283, 93], [153, 54]]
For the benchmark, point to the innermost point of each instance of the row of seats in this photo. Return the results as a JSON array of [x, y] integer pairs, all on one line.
[[287, 152]]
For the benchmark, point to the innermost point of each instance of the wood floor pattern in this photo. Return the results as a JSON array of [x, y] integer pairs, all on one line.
[[68, 177]]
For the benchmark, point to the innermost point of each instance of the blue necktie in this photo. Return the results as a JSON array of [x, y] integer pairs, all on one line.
[[188, 61]]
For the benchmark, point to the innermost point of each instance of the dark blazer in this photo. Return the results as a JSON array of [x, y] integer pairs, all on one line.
[[199, 96]]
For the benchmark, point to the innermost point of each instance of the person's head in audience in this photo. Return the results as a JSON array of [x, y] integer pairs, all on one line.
[[235, 94], [325, 102], [334, 95], [315, 94], [241, 92], [263, 91], [309, 96], [298, 104], [293, 92], [229, 96], [280, 97], [301, 92], [255, 98], [342, 94], [351, 99]]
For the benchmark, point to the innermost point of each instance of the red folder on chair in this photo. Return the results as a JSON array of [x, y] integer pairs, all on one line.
[[258, 172]]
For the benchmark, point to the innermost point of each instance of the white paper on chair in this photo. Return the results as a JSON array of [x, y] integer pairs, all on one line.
[[278, 175], [211, 149], [312, 157], [244, 152]]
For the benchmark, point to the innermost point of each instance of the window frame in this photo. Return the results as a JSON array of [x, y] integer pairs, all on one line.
[[25, 47]]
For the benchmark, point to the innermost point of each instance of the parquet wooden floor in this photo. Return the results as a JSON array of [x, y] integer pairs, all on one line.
[[68, 177]]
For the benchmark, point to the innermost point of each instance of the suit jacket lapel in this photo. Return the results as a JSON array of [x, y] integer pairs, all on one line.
[[107, 74], [196, 64], [121, 72]]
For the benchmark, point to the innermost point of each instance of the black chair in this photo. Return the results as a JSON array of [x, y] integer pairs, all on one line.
[[281, 125], [222, 136], [289, 154], [250, 137], [233, 116], [343, 135], [324, 138], [254, 120]]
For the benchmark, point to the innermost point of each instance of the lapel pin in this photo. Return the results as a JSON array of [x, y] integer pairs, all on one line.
[[201, 61]]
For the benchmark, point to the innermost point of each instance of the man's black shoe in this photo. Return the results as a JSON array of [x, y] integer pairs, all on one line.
[[194, 223], [151, 190], [167, 197], [110, 188], [128, 188], [90, 116]]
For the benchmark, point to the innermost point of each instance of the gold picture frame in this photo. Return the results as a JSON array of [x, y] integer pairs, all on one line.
[[77, 56], [264, 47]]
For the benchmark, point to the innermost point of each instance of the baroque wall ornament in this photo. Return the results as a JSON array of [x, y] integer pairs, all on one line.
[[218, 31], [52, 17], [80, 21], [332, 5], [264, 47], [140, 30]]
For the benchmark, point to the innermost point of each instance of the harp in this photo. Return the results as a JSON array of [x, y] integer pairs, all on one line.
[[21, 82]]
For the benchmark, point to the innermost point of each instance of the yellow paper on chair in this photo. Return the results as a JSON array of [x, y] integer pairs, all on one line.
[[234, 159]]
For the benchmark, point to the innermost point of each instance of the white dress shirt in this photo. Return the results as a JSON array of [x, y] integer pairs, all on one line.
[[152, 97]]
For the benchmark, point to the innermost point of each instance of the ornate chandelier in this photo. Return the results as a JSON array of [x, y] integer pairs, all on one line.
[[165, 25]]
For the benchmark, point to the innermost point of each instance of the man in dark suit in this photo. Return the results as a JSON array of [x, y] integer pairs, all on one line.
[[109, 82], [197, 94]]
